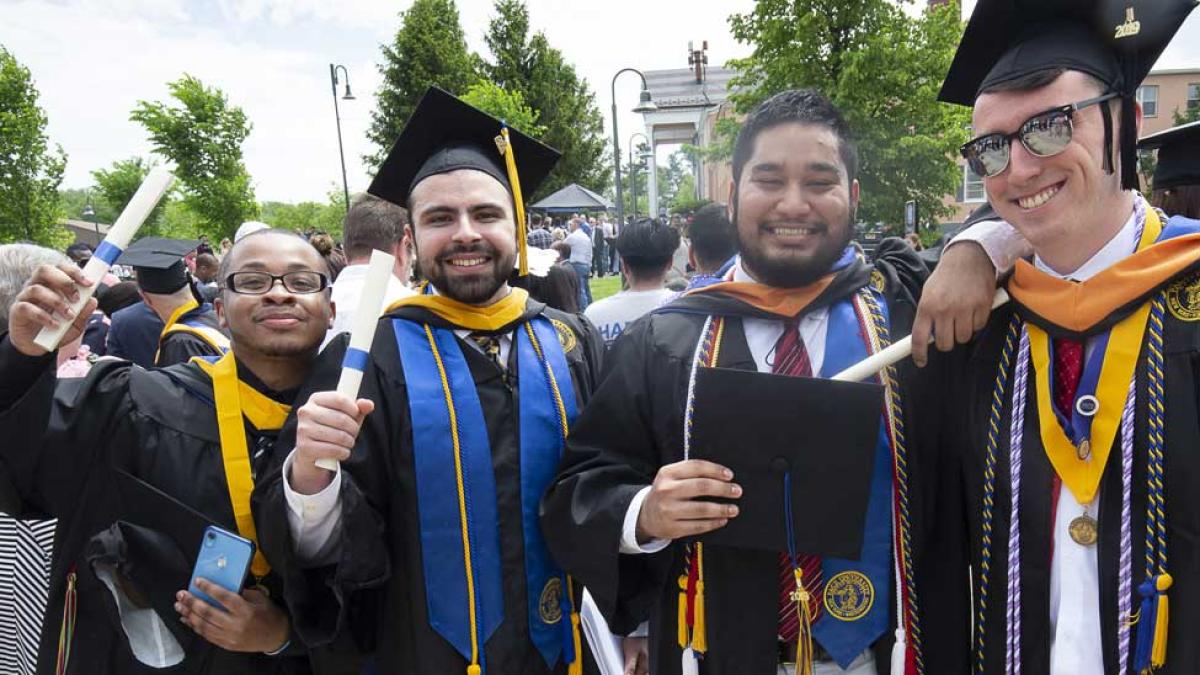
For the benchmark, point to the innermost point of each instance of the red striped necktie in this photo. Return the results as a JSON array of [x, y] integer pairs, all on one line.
[[791, 358]]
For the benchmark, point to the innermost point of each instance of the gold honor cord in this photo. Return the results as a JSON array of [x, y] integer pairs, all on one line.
[[235, 401]]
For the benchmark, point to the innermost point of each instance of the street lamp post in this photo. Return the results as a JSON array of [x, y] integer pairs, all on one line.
[[633, 172], [645, 105], [333, 83], [89, 212]]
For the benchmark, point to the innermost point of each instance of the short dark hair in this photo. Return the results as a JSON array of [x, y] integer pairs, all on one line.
[[207, 259], [711, 237], [647, 246], [77, 249], [227, 261], [801, 106], [372, 224]]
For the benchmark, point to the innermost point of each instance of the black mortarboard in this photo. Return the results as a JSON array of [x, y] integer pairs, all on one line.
[[1115, 42], [823, 432], [1178, 155], [159, 263], [445, 134]]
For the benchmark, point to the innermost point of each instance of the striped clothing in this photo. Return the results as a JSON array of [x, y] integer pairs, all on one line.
[[25, 547]]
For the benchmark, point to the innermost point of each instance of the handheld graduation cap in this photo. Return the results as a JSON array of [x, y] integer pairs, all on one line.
[[1117, 42], [1178, 155], [159, 263], [445, 134]]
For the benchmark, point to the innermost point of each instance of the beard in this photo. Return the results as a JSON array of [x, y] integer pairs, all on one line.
[[782, 269], [474, 289]]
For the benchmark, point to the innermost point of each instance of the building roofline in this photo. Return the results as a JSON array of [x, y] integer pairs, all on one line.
[[1175, 71]]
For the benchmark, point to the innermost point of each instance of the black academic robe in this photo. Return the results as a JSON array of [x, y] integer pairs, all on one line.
[[376, 589], [63, 440], [180, 347], [634, 425], [972, 404]]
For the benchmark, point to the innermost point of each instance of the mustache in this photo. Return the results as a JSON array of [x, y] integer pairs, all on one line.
[[479, 248]]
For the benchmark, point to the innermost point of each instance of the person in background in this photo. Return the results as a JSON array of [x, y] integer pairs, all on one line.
[[206, 275], [224, 248], [581, 258], [599, 247], [914, 240], [133, 334], [647, 248], [372, 224], [326, 246], [679, 273], [79, 253], [613, 230], [539, 236], [1176, 180], [713, 245]]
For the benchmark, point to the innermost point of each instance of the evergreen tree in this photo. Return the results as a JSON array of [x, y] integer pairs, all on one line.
[[429, 49]]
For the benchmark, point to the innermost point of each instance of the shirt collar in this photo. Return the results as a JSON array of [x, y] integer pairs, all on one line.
[[1123, 243]]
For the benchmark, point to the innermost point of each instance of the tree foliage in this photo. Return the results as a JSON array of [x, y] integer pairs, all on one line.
[[883, 69], [30, 171], [308, 216], [507, 106], [203, 134], [429, 49], [529, 65], [116, 185]]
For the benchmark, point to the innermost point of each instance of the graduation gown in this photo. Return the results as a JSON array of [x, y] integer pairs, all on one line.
[[179, 346], [971, 402], [634, 425], [376, 589], [63, 440]]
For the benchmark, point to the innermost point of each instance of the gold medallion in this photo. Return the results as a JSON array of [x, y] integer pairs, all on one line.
[[1083, 530], [849, 596], [1084, 449], [550, 602]]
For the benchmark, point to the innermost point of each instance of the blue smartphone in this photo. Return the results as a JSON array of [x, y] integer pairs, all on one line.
[[224, 560]]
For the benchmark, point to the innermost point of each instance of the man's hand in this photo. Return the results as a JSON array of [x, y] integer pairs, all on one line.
[[45, 303], [672, 510], [326, 429], [956, 300], [252, 623], [637, 655]]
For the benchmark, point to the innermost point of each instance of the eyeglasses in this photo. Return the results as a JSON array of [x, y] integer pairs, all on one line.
[[1043, 135], [300, 282]]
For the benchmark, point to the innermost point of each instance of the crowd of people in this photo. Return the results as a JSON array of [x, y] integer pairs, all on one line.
[[524, 471]]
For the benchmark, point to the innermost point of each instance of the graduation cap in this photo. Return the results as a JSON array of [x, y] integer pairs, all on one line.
[[1178, 155], [159, 263], [1117, 42], [824, 433], [445, 134]]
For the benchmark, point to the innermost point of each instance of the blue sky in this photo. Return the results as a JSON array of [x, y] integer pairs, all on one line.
[[92, 60]]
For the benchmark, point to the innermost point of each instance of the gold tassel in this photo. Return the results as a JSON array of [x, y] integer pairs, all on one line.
[[576, 667], [514, 180], [699, 631], [1158, 653], [804, 644], [683, 627], [474, 669]]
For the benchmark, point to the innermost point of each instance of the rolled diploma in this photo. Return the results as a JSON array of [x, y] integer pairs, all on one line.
[[894, 353], [370, 306], [157, 182]]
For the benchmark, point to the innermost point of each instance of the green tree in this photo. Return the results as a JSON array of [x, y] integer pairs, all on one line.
[[508, 106], [308, 216], [1190, 114], [116, 185], [30, 172], [550, 86], [203, 134], [429, 49], [883, 70]]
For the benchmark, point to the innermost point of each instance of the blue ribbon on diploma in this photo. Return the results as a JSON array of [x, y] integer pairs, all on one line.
[[107, 252], [355, 359]]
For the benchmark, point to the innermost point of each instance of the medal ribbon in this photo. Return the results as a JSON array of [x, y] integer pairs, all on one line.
[[236, 402]]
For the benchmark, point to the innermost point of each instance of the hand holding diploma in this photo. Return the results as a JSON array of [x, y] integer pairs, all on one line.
[[157, 182]]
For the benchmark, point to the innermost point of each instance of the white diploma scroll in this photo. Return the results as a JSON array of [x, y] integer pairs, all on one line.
[[606, 647], [898, 351], [157, 182], [370, 306]]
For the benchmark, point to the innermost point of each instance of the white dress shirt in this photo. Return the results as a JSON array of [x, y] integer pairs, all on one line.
[[345, 294], [1074, 579]]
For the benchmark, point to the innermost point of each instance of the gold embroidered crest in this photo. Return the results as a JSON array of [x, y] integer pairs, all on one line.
[[566, 336], [550, 603], [877, 281], [1183, 298], [849, 596]]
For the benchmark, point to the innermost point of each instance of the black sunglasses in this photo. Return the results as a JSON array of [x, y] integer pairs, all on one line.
[[1044, 135]]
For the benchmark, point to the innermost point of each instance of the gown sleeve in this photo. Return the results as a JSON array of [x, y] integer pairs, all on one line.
[[611, 455]]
